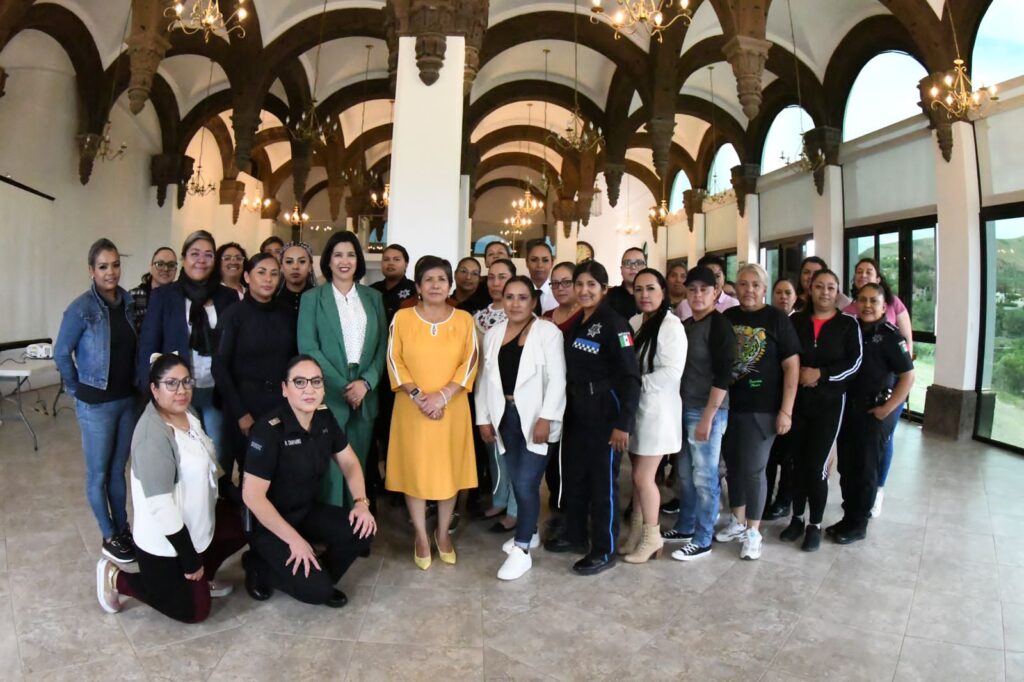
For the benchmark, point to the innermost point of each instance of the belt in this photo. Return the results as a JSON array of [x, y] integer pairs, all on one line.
[[589, 388]]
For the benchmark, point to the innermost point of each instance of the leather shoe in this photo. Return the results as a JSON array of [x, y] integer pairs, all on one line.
[[849, 535], [562, 545], [252, 580], [837, 528], [337, 600], [592, 564]]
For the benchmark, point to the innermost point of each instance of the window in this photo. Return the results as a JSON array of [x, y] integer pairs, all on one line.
[[782, 259], [784, 141], [679, 185], [720, 177], [1000, 415], [999, 44], [892, 78]]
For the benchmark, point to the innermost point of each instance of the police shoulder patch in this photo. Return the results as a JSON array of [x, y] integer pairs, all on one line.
[[275, 421]]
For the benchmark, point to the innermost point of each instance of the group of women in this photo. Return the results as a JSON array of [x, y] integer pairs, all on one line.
[[233, 374]]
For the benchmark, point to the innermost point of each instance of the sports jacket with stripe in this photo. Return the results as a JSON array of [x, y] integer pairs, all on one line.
[[837, 352]]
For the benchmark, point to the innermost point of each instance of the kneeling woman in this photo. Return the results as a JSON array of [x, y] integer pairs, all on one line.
[[183, 533], [522, 391], [289, 454]]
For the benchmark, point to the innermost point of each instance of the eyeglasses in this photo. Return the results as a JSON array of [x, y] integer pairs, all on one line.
[[200, 255], [302, 382], [232, 259], [165, 264], [172, 385], [634, 263], [561, 284], [468, 273]]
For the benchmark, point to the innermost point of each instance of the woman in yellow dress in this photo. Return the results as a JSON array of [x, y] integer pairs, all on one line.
[[432, 359]]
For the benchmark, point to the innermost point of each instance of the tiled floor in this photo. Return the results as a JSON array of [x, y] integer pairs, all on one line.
[[935, 593]]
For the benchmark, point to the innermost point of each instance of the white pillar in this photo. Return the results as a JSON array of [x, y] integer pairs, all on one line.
[[828, 220], [424, 213], [465, 221], [695, 244], [565, 247], [748, 232]]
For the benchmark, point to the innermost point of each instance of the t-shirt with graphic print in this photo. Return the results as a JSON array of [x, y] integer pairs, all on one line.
[[764, 338]]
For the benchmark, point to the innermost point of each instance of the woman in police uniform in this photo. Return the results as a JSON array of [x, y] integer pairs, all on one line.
[[289, 454], [874, 397], [603, 391]]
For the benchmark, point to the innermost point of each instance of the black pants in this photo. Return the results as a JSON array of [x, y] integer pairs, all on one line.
[[745, 448], [780, 466], [815, 427], [862, 443], [161, 581], [326, 524], [553, 477], [590, 472]]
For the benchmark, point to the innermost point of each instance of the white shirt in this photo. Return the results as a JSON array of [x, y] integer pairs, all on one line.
[[353, 322], [202, 365], [547, 299]]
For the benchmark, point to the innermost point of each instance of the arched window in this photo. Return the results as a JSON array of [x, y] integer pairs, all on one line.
[[885, 92], [783, 143], [720, 177], [999, 45], [679, 185]]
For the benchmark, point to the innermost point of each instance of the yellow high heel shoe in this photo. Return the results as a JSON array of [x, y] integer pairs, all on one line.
[[422, 562], [446, 557]]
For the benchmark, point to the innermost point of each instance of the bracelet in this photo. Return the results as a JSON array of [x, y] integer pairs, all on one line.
[[444, 397], [364, 500], [786, 413]]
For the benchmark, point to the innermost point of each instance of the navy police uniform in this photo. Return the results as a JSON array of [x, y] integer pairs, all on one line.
[[603, 391], [295, 461], [863, 437]]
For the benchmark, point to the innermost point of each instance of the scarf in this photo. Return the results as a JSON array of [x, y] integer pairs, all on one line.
[[201, 340]]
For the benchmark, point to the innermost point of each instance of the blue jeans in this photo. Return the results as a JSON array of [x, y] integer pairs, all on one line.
[[106, 442], [697, 463], [213, 423], [502, 496], [525, 471], [883, 472]]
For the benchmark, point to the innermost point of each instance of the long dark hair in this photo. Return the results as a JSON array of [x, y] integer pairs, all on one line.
[[647, 336], [882, 283]]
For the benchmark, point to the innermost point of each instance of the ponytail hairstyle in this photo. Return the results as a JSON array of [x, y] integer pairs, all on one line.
[[647, 336]]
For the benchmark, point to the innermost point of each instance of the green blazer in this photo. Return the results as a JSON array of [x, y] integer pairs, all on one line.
[[320, 336]]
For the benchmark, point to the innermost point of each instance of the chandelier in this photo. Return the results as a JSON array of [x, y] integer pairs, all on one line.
[[649, 15], [257, 203], [206, 16], [580, 135], [382, 200], [309, 127], [806, 162], [957, 96], [657, 215], [296, 217], [197, 184], [527, 204], [93, 146]]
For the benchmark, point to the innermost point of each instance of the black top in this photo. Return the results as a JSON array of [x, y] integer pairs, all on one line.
[[509, 357], [480, 299], [764, 339], [885, 357], [599, 357], [622, 302], [290, 300], [395, 296], [121, 376], [710, 352], [257, 341], [836, 352], [294, 460], [140, 295]]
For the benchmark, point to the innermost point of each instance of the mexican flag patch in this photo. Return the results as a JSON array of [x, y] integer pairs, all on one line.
[[625, 340]]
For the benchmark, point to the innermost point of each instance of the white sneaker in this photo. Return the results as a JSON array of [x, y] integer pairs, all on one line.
[[734, 531], [751, 545], [219, 589], [516, 564], [876, 508], [511, 542], [690, 552], [106, 591]]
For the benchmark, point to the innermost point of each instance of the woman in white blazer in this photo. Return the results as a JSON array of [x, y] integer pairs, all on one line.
[[521, 389], [661, 353]]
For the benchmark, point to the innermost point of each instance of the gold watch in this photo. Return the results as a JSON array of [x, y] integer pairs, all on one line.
[[364, 500]]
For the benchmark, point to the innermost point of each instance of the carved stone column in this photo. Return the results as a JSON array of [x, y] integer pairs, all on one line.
[[244, 120], [147, 46], [88, 147], [471, 21], [613, 173], [747, 55], [302, 159], [335, 194], [693, 204], [821, 145], [660, 130], [431, 24], [939, 119], [231, 192], [3, 80], [744, 182]]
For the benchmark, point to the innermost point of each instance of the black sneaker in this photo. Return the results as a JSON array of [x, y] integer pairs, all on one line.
[[690, 552], [793, 531], [120, 548], [671, 507], [777, 510], [673, 535], [812, 539], [837, 528]]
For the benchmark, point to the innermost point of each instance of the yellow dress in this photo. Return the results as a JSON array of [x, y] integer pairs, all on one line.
[[431, 459]]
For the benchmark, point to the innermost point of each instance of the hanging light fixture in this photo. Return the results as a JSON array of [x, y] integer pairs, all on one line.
[[383, 200], [309, 126], [355, 174], [596, 202], [648, 15], [657, 215], [206, 16], [257, 203], [957, 95], [197, 184], [527, 204], [805, 162], [296, 217], [580, 135], [93, 146]]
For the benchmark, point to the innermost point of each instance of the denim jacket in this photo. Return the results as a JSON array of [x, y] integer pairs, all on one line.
[[85, 333]]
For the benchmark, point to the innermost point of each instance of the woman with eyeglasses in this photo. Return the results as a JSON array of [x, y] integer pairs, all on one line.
[[257, 341], [183, 533], [183, 318], [291, 450], [162, 268], [95, 354], [231, 267], [467, 281]]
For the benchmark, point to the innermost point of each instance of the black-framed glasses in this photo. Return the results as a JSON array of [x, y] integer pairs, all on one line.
[[634, 263], [301, 382], [561, 284], [172, 385], [165, 264]]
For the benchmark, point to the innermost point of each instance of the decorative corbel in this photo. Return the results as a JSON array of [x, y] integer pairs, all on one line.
[[164, 170], [471, 22], [302, 160], [660, 132], [822, 143], [744, 182], [939, 120], [187, 166], [391, 23], [244, 120], [231, 192], [564, 211], [613, 173], [147, 46], [88, 148], [3, 80], [693, 204], [747, 56], [431, 24]]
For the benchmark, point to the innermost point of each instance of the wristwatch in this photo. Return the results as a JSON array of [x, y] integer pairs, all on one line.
[[364, 500], [414, 392]]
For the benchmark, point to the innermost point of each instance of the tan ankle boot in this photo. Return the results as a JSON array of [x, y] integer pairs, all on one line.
[[636, 523], [650, 545]]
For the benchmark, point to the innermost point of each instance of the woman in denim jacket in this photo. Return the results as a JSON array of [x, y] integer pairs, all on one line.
[[95, 355]]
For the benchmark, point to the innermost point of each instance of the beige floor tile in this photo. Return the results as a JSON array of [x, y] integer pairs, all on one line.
[[875, 605], [146, 628], [818, 649], [285, 615], [255, 656], [191, 661], [1013, 627], [788, 587], [54, 585], [1009, 551], [10, 660], [956, 619], [500, 668], [923, 660], [1011, 584], [426, 616], [57, 638], [960, 576], [124, 666], [942, 544], [373, 662]]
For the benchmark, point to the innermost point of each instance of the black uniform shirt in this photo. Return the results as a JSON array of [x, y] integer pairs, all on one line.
[[294, 460], [885, 358], [622, 302], [600, 357], [395, 296]]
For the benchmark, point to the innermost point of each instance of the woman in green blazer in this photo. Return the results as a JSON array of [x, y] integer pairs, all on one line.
[[342, 325]]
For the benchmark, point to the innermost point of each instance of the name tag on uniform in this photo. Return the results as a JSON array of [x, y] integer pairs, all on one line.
[[294, 441], [587, 346]]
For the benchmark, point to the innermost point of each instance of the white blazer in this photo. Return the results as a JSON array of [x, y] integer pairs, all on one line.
[[659, 417], [540, 384]]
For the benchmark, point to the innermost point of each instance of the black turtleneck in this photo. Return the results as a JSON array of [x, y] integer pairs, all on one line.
[[290, 299]]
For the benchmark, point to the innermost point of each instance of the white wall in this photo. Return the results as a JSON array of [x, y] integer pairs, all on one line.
[[604, 234], [720, 226], [786, 204], [1000, 141]]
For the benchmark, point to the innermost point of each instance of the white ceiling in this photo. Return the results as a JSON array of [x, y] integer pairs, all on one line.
[[343, 62], [188, 76], [699, 85], [518, 113]]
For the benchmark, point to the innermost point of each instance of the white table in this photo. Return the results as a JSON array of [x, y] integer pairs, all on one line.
[[21, 373]]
